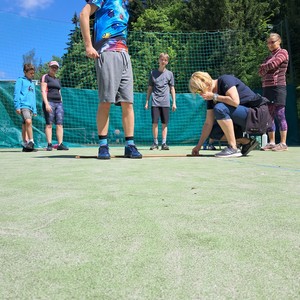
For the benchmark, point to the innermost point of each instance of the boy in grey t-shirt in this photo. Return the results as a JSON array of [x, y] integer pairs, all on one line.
[[160, 86]]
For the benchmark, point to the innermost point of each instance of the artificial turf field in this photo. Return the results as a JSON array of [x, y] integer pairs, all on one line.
[[155, 228]]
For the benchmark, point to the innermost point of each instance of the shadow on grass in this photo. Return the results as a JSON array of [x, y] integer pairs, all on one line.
[[122, 156], [11, 151], [57, 156]]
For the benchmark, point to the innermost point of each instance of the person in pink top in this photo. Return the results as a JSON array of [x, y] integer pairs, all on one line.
[[273, 74]]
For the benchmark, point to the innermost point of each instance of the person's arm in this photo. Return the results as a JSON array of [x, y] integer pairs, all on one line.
[[206, 130], [231, 98], [261, 71], [60, 91], [34, 108], [17, 94], [149, 92], [173, 95], [85, 14], [44, 88], [275, 61]]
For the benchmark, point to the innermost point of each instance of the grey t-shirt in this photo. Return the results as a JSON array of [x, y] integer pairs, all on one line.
[[161, 83]]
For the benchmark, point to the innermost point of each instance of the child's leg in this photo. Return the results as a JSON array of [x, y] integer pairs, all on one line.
[[164, 133], [164, 115], [24, 135], [155, 132], [28, 129]]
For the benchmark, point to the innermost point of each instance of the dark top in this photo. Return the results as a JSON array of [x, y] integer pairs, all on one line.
[[225, 82], [53, 88]]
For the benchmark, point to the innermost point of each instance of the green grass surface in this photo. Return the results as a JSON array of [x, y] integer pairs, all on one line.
[[156, 228]]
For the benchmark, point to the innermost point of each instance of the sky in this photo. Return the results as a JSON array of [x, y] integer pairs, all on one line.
[[55, 10], [42, 25]]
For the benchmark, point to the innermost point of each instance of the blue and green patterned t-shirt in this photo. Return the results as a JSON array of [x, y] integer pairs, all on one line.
[[110, 27]]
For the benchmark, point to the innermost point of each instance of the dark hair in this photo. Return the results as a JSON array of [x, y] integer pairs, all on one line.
[[28, 67]]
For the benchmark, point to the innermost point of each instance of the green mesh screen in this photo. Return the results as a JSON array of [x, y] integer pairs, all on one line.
[[80, 119]]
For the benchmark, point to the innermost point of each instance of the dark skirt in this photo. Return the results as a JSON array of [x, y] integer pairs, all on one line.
[[275, 94]]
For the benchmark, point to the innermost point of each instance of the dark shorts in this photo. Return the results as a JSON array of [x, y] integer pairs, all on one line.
[[217, 132], [160, 112], [275, 94], [56, 116], [26, 114]]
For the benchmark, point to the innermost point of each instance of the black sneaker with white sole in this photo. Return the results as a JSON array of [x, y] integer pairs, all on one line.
[[29, 147], [249, 147], [62, 147], [154, 146], [49, 147], [165, 147]]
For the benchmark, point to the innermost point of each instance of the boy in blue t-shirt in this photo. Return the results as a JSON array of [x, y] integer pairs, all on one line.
[[113, 67]]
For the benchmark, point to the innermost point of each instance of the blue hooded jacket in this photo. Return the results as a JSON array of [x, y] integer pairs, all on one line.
[[24, 95]]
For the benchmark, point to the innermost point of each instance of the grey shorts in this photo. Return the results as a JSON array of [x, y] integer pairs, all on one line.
[[114, 76], [26, 114]]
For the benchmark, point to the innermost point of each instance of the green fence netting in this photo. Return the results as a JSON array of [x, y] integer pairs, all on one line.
[[220, 52], [80, 107], [80, 119]]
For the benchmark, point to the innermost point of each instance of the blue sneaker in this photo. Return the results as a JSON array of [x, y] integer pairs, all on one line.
[[103, 152], [132, 152]]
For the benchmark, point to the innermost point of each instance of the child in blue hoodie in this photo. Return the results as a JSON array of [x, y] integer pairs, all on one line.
[[25, 104]]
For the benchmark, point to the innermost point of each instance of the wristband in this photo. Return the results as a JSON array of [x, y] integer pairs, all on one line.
[[215, 98]]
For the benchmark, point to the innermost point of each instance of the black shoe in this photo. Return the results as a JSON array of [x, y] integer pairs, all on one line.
[[165, 147], [154, 146], [62, 147], [29, 147], [249, 147], [49, 147], [27, 150]]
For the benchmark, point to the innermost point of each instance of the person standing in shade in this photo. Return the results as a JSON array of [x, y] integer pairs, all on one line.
[[53, 106], [25, 105], [273, 73], [161, 85], [113, 68]]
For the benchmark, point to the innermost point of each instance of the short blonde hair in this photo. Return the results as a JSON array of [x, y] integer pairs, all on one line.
[[276, 36], [165, 55], [200, 82]]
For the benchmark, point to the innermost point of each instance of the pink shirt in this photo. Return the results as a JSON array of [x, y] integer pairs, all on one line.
[[273, 69]]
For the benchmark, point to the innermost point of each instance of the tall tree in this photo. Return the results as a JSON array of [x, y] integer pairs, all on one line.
[[30, 58], [77, 71]]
